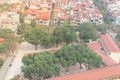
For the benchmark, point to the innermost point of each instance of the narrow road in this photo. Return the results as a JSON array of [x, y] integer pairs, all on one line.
[[15, 69]]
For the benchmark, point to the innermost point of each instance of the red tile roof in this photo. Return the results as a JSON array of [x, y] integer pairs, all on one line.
[[97, 48], [96, 74], [109, 43], [2, 39]]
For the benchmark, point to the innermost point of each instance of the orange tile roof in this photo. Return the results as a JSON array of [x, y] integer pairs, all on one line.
[[110, 43], [44, 15], [2, 39], [97, 74]]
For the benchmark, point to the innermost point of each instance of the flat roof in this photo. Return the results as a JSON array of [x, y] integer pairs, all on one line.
[[96, 74], [110, 43], [97, 48]]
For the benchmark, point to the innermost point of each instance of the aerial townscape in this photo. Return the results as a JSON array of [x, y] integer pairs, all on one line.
[[59, 39]]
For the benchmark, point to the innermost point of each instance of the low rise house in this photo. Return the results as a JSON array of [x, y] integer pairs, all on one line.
[[75, 11]]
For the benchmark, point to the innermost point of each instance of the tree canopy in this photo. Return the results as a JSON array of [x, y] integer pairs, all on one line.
[[40, 66], [1, 62], [87, 31], [33, 23], [103, 28], [45, 65], [8, 35], [21, 17], [37, 36], [48, 40], [71, 55], [22, 28], [65, 33], [34, 36], [88, 56], [118, 36], [66, 56]]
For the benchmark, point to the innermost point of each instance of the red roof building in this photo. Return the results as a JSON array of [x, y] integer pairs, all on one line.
[[111, 47], [109, 43], [96, 74], [97, 48]]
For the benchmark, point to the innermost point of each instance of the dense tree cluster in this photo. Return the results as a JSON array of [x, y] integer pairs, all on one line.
[[40, 66], [37, 35], [45, 65], [65, 33], [87, 32], [71, 55], [22, 28]]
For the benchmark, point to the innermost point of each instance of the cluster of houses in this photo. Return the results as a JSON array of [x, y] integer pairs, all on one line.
[[85, 11], [8, 16], [73, 11], [113, 8]]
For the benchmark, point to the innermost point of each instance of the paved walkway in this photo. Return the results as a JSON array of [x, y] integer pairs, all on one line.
[[5, 67], [15, 69]]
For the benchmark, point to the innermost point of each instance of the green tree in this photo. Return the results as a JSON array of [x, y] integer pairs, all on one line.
[[34, 36], [26, 8], [118, 36], [87, 31], [21, 17], [107, 19], [92, 59], [87, 56], [69, 34], [22, 28], [6, 33], [33, 23], [40, 66], [48, 40], [96, 2], [4, 46], [79, 57], [65, 33], [1, 62], [66, 56], [103, 28], [58, 35]]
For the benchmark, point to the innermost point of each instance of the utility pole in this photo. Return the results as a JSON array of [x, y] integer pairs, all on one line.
[[51, 22]]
